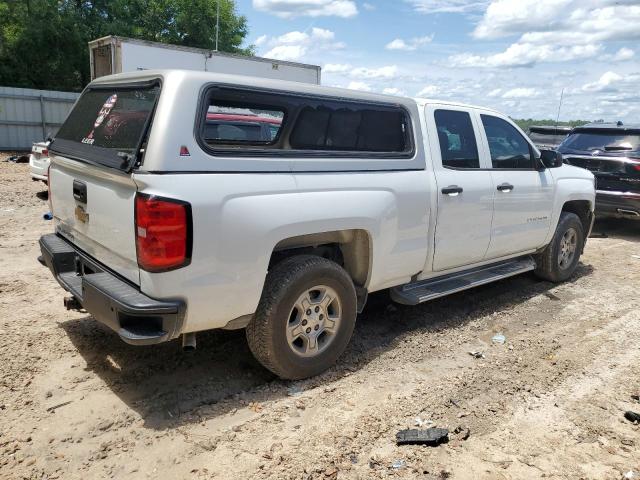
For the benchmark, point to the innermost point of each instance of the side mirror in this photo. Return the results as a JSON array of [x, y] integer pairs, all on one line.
[[550, 159]]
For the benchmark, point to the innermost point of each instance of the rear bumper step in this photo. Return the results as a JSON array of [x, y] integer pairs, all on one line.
[[138, 319], [425, 290]]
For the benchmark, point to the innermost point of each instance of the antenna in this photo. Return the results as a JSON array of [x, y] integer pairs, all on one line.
[[217, 23], [559, 107]]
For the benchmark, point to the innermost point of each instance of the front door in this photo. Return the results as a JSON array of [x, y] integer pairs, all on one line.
[[465, 189], [523, 196]]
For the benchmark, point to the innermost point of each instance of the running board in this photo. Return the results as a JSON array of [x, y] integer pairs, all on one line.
[[425, 290]]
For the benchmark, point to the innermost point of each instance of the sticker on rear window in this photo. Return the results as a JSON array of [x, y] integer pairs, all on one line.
[[102, 114]]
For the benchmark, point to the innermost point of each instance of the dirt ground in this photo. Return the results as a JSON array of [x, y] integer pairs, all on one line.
[[78, 403]]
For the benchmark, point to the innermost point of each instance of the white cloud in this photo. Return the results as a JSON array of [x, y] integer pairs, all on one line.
[[521, 93], [336, 68], [428, 91], [623, 55], [296, 45], [308, 8], [368, 6], [410, 45], [393, 91], [494, 93], [387, 72], [362, 86], [287, 52], [261, 40], [526, 55], [604, 83], [553, 31], [448, 6]]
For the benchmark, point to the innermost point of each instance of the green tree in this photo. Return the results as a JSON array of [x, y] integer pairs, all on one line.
[[43, 43]]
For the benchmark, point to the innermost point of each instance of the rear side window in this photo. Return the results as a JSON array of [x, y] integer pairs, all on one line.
[[508, 147], [107, 124], [350, 127], [281, 123], [457, 141]]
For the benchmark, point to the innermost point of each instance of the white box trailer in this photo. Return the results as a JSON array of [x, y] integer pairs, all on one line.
[[113, 54]]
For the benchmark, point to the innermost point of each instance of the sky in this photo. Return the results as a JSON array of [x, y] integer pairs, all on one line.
[[515, 56]]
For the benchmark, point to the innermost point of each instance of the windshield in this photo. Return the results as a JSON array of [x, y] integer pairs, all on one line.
[[589, 141], [107, 124]]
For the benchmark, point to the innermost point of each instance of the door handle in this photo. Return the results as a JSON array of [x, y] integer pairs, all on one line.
[[452, 190], [80, 191], [505, 187]]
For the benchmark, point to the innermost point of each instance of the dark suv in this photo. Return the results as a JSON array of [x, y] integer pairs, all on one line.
[[612, 153]]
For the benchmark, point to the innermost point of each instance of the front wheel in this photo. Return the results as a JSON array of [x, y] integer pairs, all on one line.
[[558, 261], [305, 317]]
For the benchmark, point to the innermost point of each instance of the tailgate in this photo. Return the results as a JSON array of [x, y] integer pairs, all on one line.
[[91, 184], [94, 209]]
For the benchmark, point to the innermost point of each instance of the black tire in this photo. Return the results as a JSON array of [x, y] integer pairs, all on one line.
[[548, 265], [286, 282]]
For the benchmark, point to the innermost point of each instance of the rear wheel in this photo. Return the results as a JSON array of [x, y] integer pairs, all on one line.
[[560, 258], [305, 317]]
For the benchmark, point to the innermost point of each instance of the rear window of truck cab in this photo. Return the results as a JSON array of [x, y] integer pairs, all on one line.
[[242, 121], [107, 124]]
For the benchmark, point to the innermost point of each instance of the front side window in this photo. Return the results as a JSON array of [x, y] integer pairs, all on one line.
[[457, 140], [507, 146]]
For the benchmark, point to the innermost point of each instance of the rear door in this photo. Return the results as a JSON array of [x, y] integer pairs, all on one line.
[[523, 196], [465, 190], [92, 189]]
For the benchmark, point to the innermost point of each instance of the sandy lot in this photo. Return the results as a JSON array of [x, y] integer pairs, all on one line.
[[78, 403]]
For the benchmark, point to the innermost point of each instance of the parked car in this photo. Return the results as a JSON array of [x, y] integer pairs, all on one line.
[[176, 232], [548, 137], [241, 127], [39, 161], [612, 153]]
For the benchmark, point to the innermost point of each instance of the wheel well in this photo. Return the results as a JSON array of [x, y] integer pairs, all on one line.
[[582, 208], [350, 249]]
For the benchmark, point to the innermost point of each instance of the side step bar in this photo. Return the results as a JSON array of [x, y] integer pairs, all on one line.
[[425, 290]]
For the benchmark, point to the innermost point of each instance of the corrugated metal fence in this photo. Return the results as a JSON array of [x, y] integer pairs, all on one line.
[[28, 116]]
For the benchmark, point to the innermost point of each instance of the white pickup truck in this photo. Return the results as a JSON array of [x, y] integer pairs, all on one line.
[[185, 201]]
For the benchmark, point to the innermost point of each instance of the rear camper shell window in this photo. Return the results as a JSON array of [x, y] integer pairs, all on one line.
[[305, 125], [108, 124]]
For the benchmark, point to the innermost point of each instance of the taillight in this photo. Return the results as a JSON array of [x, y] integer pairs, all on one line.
[[636, 167], [163, 233], [44, 153]]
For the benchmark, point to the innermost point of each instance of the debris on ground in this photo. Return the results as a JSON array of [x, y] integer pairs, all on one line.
[[499, 338], [18, 159], [632, 416], [398, 464], [463, 432], [635, 397], [294, 391], [630, 475], [55, 407], [475, 354], [551, 296], [430, 436]]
